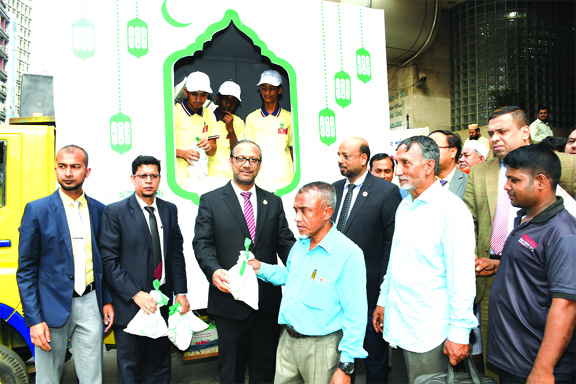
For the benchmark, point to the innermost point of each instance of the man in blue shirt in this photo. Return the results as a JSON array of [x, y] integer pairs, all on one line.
[[425, 306], [532, 309], [323, 310]]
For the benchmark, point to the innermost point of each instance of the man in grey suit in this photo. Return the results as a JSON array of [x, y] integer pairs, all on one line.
[[364, 212], [450, 176]]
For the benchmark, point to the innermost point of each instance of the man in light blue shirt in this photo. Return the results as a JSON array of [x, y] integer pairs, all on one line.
[[323, 310], [425, 306]]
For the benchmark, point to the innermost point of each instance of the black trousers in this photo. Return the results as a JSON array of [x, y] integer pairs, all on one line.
[[253, 342], [142, 359]]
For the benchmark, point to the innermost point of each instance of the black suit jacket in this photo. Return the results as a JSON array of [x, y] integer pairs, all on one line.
[[128, 258], [371, 226], [219, 236]]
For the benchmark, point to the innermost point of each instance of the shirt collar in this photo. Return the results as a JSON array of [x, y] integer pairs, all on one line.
[[144, 205], [327, 243], [238, 191], [429, 195], [67, 200], [450, 176], [358, 181], [190, 112], [552, 210], [265, 113]]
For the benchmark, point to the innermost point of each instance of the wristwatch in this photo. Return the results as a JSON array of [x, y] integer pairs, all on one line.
[[348, 368]]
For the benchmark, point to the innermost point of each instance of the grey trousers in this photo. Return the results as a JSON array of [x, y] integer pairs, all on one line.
[[85, 329], [407, 366], [309, 360]]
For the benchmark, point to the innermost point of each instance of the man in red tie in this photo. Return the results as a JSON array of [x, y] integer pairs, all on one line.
[[141, 241], [226, 217]]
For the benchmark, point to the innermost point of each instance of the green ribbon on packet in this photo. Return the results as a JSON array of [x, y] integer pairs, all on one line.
[[174, 308], [247, 243], [156, 285]]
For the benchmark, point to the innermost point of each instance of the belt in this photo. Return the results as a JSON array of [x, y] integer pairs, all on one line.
[[89, 288], [293, 333]]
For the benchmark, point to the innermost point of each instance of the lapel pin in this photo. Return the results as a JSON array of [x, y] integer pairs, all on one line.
[[365, 194], [265, 202]]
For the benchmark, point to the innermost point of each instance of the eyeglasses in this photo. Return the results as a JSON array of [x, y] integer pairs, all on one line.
[[446, 147], [242, 160], [345, 156], [144, 177]]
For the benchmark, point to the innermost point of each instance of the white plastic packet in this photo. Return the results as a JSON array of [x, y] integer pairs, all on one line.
[[243, 280], [199, 170], [181, 328], [150, 325]]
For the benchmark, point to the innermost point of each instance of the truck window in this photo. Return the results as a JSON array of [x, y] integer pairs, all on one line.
[[2, 173]]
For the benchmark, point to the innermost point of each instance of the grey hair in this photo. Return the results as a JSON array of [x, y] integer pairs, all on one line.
[[326, 192], [428, 147]]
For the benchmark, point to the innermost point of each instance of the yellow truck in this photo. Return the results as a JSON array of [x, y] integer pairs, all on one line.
[[26, 174]]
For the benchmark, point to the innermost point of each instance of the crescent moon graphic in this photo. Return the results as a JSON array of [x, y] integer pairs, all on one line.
[[169, 19]]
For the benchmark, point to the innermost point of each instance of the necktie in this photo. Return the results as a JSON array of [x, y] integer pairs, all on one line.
[[500, 224], [155, 242], [249, 214], [346, 208], [79, 248], [443, 182]]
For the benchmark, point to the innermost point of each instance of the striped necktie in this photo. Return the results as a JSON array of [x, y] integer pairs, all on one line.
[[249, 214]]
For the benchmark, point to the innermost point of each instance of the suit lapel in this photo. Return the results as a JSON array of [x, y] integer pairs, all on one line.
[[339, 187], [363, 194], [138, 216], [231, 201], [93, 220], [57, 207], [164, 218], [262, 203], [492, 176]]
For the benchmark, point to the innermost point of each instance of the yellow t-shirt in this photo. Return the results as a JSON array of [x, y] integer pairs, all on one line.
[[273, 133], [219, 164], [188, 126]]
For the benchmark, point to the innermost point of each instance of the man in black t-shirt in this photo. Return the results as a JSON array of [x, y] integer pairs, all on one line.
[[532, 310]]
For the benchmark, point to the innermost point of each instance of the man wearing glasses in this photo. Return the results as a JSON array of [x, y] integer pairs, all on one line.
[[226, 217], [142, 242], [450, 176]]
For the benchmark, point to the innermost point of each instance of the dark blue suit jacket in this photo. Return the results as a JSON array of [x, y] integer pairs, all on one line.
[[370, 225], [128, 258], [46, 263]]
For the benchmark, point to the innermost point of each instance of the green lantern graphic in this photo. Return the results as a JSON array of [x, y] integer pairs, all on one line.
[[137, 34], [363, 63], [120, 124], [326, 117], [120, 133], [83, 38], [342, 89], [327, 120], [342, 83]]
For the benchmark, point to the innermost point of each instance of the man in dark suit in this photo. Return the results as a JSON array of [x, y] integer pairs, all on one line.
[[60, 274], [141, 242], [367, 218], [225, 219], [450, 176]]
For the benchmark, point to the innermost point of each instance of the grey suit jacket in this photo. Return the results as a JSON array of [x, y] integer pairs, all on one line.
[[458, 183]]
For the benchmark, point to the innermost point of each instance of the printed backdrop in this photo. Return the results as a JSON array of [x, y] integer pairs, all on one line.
[[114, 83]]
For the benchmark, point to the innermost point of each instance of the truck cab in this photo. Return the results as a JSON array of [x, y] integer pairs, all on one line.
[[26, 174]]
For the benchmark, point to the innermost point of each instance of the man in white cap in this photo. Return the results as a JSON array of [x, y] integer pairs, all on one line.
[[229, 127], [271, 128], [473, 152], [192, 120]]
